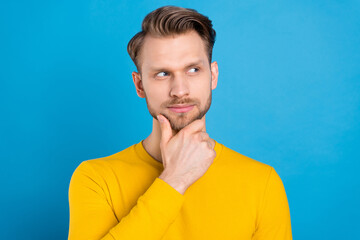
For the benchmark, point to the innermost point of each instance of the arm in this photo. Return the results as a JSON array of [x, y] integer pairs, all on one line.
[[92, 217], [274, 217]]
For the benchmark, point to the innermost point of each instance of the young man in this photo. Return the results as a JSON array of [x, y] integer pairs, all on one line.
[[178, 183]]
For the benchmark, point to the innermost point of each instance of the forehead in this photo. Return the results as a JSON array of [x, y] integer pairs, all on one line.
[[172, 52]]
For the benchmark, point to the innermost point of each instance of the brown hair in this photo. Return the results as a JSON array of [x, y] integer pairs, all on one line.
[[172, 20]]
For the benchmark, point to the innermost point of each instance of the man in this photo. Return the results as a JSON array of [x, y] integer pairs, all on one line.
[[178, 183]]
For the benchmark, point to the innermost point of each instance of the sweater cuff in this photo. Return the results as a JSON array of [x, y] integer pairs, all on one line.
[[163, 197]]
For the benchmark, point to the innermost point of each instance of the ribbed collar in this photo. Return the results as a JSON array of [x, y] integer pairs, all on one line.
[[145, 156]]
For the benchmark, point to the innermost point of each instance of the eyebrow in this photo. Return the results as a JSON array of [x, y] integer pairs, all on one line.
[[155, 69]]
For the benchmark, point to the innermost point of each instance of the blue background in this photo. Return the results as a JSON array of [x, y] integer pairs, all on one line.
[[288, 95]]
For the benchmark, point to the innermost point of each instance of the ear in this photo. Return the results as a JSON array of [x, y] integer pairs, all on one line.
[[138, 84], [214, 75]]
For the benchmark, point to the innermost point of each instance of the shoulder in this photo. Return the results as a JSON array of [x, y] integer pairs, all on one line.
[[105, 166], [253, 175], [243, 168], [236, 159]]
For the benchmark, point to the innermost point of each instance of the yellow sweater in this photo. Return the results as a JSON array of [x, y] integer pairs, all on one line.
[[121, 197]]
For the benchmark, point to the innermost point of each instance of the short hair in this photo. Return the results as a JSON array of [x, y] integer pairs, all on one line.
[[169, 21]]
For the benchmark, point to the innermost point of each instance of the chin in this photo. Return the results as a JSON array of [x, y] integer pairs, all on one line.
[[181, 120]]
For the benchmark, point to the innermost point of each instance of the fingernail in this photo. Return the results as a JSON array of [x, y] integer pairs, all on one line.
[[160, 118]]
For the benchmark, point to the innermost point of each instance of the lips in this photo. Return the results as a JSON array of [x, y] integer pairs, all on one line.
[[180, 105], [181, 108]]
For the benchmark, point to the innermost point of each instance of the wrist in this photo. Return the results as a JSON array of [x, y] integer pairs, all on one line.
[[178, 185]]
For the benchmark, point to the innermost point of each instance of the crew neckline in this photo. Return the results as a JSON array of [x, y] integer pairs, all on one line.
[[145, 156]]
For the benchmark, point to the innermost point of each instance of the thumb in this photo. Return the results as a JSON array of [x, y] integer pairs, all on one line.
[[165, 127]]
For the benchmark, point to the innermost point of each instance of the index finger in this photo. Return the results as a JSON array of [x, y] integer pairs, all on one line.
[[195, 126]]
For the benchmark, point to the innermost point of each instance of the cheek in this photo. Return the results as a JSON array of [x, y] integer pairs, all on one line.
[[156, 95], [205, 94], [202, 89]]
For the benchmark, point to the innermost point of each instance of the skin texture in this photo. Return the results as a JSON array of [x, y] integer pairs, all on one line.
[[175, 70]]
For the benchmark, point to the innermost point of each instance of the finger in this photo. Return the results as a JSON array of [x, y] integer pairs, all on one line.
[[204, 136], [165, 128], [212, 143], [195, 126]]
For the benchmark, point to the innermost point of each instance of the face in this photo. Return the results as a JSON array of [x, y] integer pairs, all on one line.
[[176, 78]]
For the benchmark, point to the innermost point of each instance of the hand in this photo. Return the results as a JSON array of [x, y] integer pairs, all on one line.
[[187, 155]]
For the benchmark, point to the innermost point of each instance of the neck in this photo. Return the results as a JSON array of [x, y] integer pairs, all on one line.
[[152, 142]]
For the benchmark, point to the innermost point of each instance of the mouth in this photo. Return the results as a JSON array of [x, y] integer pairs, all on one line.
[[181, 108]]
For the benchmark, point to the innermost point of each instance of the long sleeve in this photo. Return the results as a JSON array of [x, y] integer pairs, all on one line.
[[274, 217], [92, 217]]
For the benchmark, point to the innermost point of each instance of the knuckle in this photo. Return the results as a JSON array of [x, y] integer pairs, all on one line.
[[198, 137], [213, 154], [205, 145], [195, 138], [201, 136], [205, 135]]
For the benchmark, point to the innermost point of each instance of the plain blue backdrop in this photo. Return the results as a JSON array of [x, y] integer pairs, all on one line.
[[288, 95]]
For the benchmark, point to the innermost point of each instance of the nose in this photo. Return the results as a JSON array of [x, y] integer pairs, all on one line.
[[179, 86]]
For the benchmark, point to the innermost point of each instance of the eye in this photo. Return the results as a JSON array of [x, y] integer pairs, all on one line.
[[193, 70], [162, 74]]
